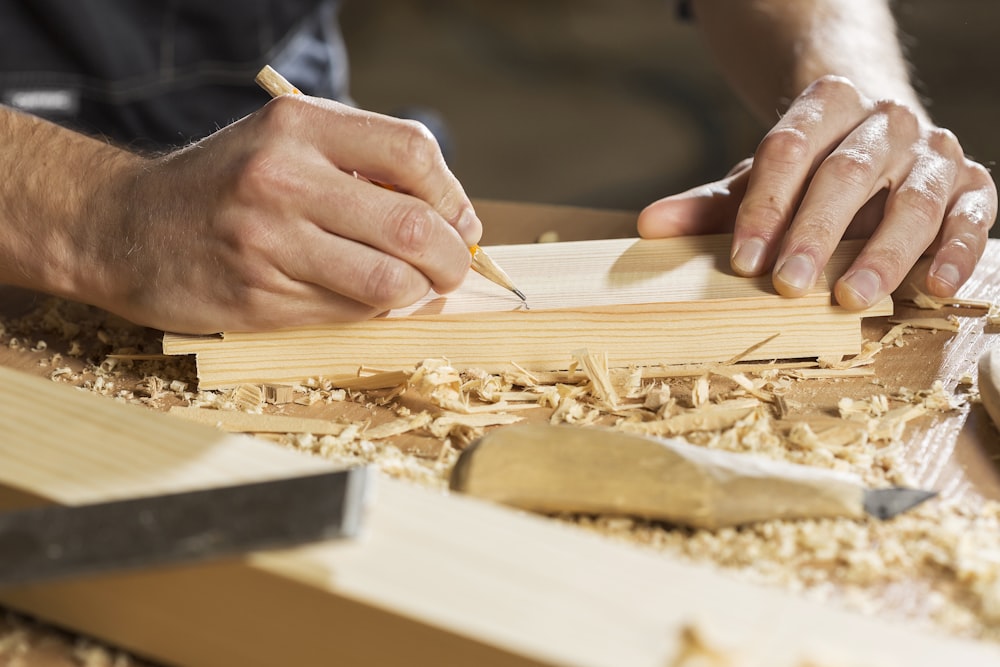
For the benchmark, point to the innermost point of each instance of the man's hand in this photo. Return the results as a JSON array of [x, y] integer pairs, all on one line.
[[839, 164], [265, 224]]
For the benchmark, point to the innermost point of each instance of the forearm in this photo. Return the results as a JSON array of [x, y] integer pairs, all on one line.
[[62, 195], [770, 50]]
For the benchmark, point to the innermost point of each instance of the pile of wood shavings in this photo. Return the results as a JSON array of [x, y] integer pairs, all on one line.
[[940, 561]]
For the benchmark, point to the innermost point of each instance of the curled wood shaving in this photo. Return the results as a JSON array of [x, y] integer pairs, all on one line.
[[865, 358], [928, 302], [949, 323]]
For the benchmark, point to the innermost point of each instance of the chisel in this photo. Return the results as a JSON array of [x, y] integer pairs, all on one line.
[[591, 470], [57, 541]]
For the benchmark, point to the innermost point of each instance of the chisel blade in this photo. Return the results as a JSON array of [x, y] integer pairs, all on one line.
[[887, 503], [55, 542]]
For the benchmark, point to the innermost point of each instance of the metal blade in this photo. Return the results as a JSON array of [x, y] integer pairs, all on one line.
[[887, 503], [53, 542]]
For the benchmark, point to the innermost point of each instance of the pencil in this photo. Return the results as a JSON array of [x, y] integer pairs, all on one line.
[[275, 84]]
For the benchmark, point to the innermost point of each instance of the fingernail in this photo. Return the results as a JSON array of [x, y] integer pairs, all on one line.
[[948, 275], [469, 227], [798, 272], [865, 284], [749, 256]]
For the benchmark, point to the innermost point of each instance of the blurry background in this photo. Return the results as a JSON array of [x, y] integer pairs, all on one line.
[[613, 103]]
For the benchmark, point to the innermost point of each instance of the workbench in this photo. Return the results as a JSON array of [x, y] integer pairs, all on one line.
[[955, 451]]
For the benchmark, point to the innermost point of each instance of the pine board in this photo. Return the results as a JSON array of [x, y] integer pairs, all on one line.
[[643, 302], [435, 579]]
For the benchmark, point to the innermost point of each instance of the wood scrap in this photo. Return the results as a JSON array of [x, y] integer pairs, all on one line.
[[638, 301], [539, 611], [928, 302], [247, 422], [949, 323]]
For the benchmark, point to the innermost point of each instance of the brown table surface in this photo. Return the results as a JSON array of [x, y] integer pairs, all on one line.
[[957, 453]]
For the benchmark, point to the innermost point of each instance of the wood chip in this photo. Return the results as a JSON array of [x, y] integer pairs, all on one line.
[[928, 302], [385, 380], [949, 323], [246, 422]]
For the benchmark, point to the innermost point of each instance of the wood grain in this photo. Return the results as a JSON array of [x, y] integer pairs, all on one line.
[[446, 580], [643, 302]]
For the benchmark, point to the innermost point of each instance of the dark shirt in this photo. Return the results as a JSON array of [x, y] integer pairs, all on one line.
[[160, 73]]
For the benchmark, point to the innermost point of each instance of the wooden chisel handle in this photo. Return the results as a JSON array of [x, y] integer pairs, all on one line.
[[590, 470]]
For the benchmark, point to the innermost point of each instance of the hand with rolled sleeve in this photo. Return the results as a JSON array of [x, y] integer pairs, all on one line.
[[261, 225], [853, 156]]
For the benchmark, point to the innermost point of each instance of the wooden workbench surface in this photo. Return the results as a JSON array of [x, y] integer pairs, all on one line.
[[955, 451]]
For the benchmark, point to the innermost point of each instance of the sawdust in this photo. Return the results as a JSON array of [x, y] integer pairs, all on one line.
[[938, 564]]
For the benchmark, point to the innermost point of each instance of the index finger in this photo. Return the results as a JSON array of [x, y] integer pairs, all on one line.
[[401, 153], [783, 164]]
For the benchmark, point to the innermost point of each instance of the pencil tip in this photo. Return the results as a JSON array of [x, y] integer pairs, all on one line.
[[520, 295]]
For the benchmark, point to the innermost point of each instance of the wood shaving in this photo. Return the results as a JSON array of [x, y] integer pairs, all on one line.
[[948, 552], [949, 323], [595, 367], [928, 302]]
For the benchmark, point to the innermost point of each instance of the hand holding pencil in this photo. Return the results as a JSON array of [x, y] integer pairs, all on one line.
[[262, 225], [276, 85]]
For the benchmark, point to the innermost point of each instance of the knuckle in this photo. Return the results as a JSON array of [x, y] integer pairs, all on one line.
[[766, 218], [898, 113], [417, 148], [892, 260], [852, 167], [784, 146], [386, 283], [281, 114], [832, 85], [980, 175], [921, 201], [411, 230], [944, 141], [972, 218]]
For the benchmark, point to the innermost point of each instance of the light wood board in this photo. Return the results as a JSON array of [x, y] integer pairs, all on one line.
[[643, 302], [432, 580]]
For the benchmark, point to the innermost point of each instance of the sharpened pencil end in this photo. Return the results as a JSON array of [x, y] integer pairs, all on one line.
[[520, 295]]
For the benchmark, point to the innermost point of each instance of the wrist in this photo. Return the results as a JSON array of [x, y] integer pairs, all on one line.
[[65, 202]]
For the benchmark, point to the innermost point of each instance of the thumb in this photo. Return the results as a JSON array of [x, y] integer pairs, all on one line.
[[705, 209]]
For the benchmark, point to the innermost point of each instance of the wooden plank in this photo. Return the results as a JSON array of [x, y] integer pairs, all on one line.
[[642, 302], [434, 579]]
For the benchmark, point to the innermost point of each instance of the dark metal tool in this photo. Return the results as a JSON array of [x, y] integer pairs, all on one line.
[[601, 471], [55, 542]]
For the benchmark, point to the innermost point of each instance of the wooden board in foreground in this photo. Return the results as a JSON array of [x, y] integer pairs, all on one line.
[[643, 302], [434, 579]]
